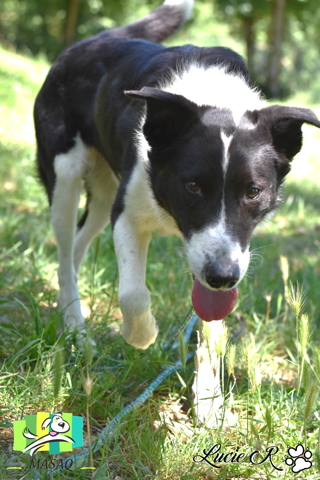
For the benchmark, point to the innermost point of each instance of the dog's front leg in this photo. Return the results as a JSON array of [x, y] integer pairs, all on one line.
[[131, 245]]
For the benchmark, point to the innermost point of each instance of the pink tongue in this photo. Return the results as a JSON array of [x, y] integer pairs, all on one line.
[[212, 305]]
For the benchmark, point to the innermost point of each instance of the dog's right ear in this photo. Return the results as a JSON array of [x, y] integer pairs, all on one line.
[[46, 423], [167, 116], [285, 125]]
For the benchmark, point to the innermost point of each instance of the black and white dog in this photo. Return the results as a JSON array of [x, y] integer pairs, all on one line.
[[173, 140]]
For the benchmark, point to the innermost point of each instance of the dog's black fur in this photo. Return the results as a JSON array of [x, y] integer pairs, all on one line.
[[204, 171]]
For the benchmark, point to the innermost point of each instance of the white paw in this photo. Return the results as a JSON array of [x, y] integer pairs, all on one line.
[[139, 327], [72, 315], [140, 332], [86, 343]]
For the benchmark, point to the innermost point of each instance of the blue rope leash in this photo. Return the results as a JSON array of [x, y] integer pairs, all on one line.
[[189, 323]]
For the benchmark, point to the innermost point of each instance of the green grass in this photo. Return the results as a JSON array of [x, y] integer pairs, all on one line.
[[274, 377]]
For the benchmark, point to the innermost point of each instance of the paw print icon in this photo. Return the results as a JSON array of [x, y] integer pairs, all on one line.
[[298, 459]]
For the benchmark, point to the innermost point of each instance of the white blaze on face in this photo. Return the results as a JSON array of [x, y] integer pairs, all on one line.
[[214, 244], [226, 140]]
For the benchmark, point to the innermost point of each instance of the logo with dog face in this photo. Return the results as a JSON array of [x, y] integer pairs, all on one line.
[[53, 433]]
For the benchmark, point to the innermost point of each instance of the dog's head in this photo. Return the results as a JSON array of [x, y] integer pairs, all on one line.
[[57, 423], [218, 179]]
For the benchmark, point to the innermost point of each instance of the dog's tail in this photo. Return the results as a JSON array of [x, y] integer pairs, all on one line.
[[159, 24]]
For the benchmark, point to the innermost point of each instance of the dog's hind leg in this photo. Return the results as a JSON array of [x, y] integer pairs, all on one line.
[[101, 186], [69, 169]]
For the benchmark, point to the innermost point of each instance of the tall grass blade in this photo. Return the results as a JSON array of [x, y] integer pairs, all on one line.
[[58, 371]]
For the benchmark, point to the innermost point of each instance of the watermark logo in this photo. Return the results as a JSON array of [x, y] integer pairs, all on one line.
[[48, 432], [214, 456], [298, 459]]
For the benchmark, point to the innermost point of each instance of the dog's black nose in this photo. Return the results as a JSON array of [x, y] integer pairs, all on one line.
[[222, 277]]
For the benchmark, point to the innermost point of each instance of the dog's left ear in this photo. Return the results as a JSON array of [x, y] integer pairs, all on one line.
[[285, 126], [167, 114], [45, 423]]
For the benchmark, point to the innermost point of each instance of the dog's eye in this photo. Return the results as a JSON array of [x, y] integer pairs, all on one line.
[[252, 192], [193, 187]]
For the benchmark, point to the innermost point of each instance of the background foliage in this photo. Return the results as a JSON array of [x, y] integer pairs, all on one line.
[[281, 48]]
